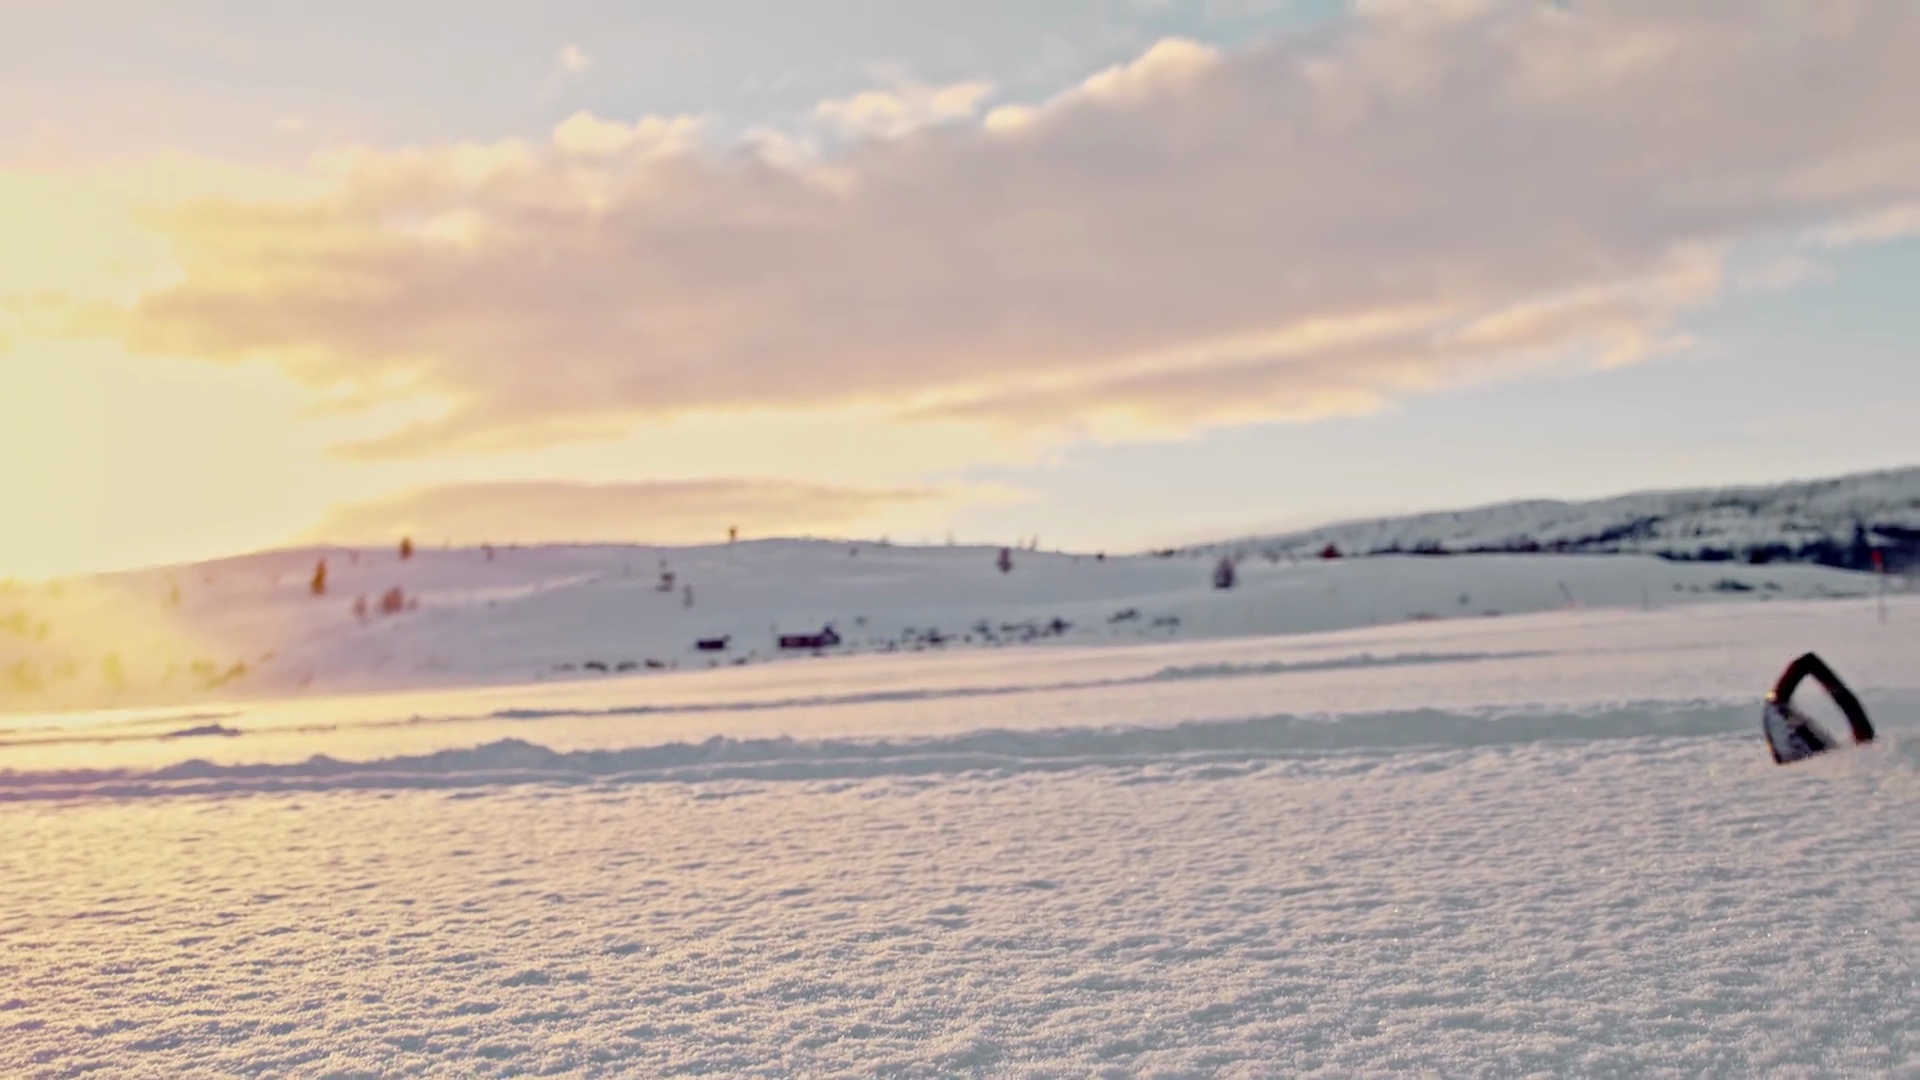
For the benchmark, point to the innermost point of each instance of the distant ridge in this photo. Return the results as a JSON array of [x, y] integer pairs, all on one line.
[[1839, 522]]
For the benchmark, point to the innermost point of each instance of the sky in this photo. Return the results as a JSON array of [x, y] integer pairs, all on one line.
[[1112, 275]]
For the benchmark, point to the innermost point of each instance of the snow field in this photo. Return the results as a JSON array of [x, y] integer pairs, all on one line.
[[1550, 845], [1632, 907]]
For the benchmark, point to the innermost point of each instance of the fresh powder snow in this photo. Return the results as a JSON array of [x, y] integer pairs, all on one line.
[[1549, 842]]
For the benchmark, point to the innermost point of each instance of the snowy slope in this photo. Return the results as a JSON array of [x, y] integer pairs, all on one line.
[[1809, 522], [252, 626]]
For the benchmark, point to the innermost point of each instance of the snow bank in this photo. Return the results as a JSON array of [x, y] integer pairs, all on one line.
[[1210, 745]]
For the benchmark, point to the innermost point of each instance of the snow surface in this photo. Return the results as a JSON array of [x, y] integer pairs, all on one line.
[[1546, 844]]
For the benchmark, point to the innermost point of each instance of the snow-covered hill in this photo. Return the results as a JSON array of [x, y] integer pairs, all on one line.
[[254, 626], [1835, 522]]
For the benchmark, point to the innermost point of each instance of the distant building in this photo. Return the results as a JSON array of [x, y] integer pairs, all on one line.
[[824, 639]]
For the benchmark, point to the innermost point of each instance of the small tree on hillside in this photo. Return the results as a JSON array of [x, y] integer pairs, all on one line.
[[1005, 562], [1223, 573], [1860, 552], [319, 583], [406, 547]]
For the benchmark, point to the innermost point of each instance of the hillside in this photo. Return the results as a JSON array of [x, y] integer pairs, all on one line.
[[1836, 522], [254, 626]]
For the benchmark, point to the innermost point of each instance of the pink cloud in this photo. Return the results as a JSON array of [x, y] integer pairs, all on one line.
[[1537, 185]]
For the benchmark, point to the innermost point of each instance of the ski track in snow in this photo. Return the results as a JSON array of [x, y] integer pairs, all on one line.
[[871, 697], [1613, 881]]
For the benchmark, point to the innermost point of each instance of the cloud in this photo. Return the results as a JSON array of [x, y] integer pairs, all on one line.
[[584, 135], [1411, 199], [902, 109], [1783, 273], [1894, 223], [663, 512], [569, 62]]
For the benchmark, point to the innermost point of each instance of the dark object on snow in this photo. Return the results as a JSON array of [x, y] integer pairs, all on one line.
[[820, 640], [712, 644], [1791, 734], [318, 585], [1005, 561], [1223, 573]]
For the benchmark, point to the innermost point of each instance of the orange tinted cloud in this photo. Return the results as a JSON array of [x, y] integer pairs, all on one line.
[[1537, 185], [663, 512]]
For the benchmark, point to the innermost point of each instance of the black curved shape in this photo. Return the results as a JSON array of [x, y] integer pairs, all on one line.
[[1804, 737]]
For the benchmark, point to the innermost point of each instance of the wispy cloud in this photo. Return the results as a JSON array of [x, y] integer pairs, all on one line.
[[1783, 273], [902, 109], [1892, 223], [569, 62], [688, 511], [1321, 224]]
